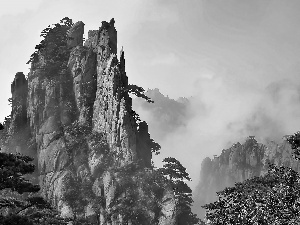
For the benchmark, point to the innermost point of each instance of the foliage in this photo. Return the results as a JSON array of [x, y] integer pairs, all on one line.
[[12, 168], [78, 196], [53, 47], [144, 191], [99, 143], [6, 123], [29, 210], [294, 140], [136, 116], [34, 211], [176, 173], [78, 134], [135, 198], [154, 146], [10, 101], [269, 199], [15, 220], [138, 91], [174, 169], [75, 196], [4, 137], [77, 131]]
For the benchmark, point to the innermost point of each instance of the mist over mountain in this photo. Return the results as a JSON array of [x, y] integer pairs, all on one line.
[[219, 115], [166, 115], [195, 129], [237, 164]]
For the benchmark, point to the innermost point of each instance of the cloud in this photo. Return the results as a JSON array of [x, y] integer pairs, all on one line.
[[165, 115], [220, 113], [15, 7], [167, 59], [164, 15], [230, 56]]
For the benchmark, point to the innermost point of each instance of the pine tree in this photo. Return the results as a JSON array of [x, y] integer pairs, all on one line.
[[176, 175], [25, 210], [269, 199]]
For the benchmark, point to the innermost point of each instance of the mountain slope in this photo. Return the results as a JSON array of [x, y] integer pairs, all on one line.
[[73, 114], [236, 164]]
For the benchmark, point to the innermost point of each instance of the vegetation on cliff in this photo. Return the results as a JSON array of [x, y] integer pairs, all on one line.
[[130, 189], [175, 175], [18, 204], [269, 199], [53, 48], [145, 190]]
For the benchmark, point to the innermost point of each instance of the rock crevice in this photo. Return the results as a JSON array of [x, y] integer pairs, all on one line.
[[76, 115]]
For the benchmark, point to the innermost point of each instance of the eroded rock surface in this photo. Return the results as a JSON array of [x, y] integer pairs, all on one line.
[[71, 119]]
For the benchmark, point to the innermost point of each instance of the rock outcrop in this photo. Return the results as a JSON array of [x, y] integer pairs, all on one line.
[[236, 164], [75, 118]]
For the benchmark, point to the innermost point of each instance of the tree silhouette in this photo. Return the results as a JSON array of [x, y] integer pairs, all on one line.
[[269, 199], [138, 91], [53, 49], [294, 140], [176, 175], [141, 191], [77, 197], [29, 210]]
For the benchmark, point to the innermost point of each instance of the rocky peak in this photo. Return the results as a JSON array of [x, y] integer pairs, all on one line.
[[79, 120], [76, 34], [19, 85], [19, 88], [143, 138]]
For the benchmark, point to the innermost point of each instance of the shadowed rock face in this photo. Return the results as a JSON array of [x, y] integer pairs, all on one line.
[[239, 163], [19, 95], [73, 118]]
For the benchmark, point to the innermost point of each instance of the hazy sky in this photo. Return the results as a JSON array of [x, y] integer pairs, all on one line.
[[239, 59]]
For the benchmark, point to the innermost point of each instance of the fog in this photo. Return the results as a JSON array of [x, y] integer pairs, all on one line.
[[218, 116], [236, 61]]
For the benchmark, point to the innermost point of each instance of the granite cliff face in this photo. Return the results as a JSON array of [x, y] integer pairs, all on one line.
[[238, 163], [75, 118]]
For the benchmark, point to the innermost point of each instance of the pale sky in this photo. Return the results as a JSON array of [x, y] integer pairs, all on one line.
[[239, 59]]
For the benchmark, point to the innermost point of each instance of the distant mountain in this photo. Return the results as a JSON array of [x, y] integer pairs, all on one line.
[[236, 164], [165, 115]]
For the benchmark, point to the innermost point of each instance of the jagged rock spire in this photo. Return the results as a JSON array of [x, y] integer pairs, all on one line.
[[79, 116]]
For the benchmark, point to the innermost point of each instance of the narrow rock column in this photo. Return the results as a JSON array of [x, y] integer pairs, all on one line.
[[19, 89]]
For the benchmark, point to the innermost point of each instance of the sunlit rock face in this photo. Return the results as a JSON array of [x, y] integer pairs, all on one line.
[[69, 120], [168, 209], [236, 164]]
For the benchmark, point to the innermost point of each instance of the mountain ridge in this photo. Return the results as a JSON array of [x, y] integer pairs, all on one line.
[[237, 164]]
